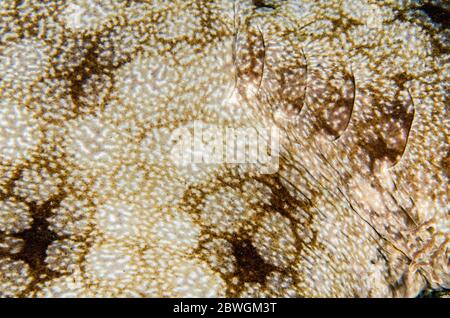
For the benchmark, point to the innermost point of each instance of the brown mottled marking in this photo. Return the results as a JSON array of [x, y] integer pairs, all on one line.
[[92, 204]]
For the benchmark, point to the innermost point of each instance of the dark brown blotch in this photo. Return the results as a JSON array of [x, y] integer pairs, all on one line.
[[250, 267]]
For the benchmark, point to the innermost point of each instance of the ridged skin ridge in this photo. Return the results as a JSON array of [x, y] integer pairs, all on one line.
[[91, 205]]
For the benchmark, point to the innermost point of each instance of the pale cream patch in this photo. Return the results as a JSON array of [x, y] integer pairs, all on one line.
[[20, 133], [88, 14], [15, 216], [23, 63], [274, 240]]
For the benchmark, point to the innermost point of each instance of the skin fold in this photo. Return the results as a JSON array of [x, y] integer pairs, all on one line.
[[91, 204]]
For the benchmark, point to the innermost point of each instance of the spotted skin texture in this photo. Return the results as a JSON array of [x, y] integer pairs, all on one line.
[[91, 206]]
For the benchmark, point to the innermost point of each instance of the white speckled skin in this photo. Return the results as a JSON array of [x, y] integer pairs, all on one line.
[[90, 205]]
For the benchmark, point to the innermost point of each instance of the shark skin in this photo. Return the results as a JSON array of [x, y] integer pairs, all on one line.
[[92, 203]]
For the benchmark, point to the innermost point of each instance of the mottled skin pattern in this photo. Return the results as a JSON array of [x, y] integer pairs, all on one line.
[[90, 90]]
